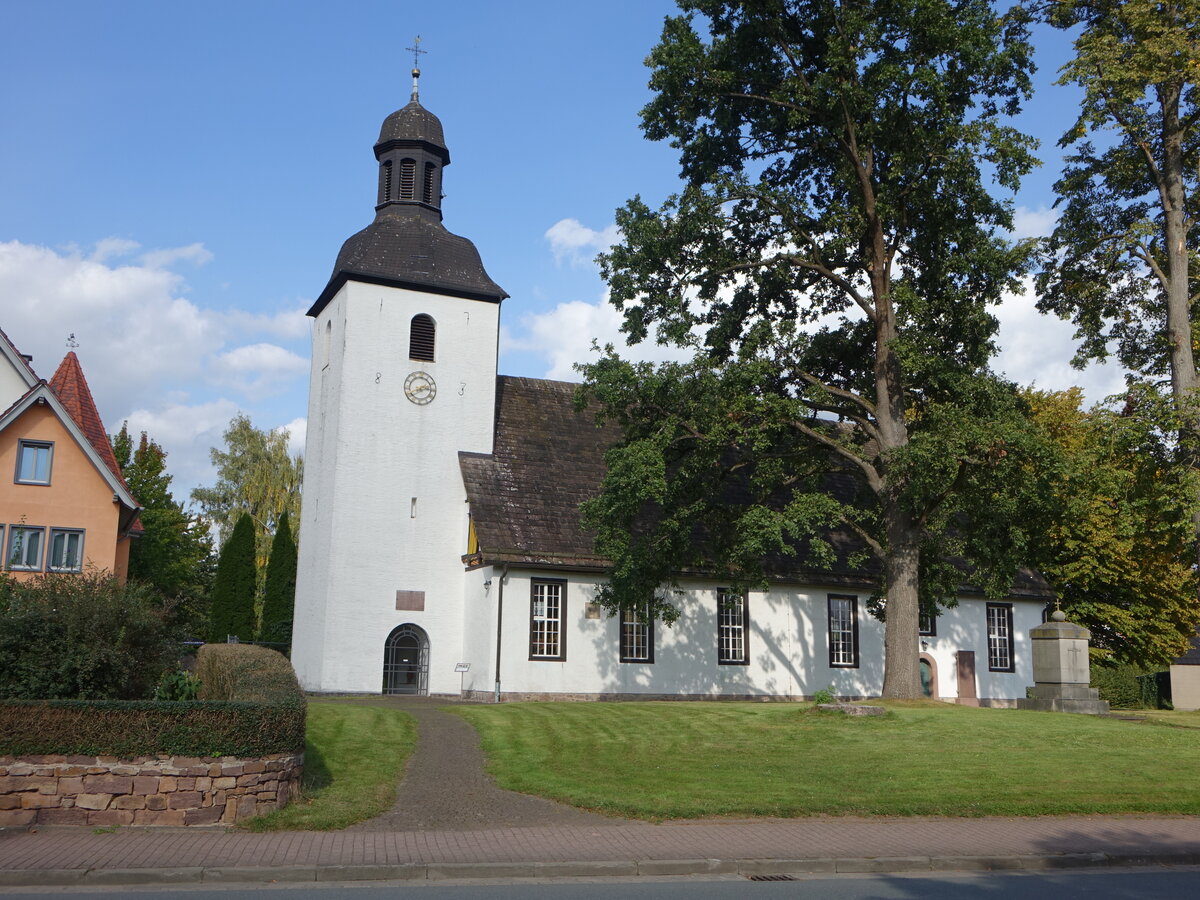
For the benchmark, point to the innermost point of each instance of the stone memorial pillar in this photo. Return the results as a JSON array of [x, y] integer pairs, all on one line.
[[1061, 670]]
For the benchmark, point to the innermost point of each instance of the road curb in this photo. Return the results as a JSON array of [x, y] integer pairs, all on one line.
[[584, 869]]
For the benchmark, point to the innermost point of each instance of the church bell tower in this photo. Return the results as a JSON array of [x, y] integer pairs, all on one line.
[[403, 380]]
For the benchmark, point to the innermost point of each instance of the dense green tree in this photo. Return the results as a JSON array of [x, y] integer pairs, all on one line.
[[82, 636], [256, 475], [279, 593], [1117, 547], [831, 260], [174, 552], [235, 587], [1123, 261]]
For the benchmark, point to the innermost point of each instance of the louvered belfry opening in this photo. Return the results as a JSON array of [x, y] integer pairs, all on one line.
[[421, 337], [385, 193], [408, 178], [427, 195]]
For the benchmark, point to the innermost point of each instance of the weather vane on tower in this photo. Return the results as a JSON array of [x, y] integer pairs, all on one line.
[[416, 71]]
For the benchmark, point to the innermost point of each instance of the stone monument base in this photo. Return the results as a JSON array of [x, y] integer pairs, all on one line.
[[1075, 698]]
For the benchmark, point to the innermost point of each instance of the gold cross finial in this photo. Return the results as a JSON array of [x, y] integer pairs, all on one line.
[[416, 51]]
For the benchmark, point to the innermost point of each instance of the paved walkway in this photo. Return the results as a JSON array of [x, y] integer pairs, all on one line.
[[451, 821]]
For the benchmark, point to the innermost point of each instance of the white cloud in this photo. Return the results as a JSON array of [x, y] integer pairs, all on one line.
[[574, 242], [297, 430], [113, 247], [1034, 222], [563, 336], [197, 254], [1036, 350], [150, 354], [258, 370]]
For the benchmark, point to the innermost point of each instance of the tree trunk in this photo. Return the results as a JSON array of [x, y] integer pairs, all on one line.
[[901, 672]]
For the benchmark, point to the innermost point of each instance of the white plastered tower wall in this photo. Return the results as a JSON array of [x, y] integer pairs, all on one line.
[[384, 503]]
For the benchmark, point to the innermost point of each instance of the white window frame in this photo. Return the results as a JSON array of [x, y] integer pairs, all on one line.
[[14, 535], [843, 631], [66, 534], [547, 616], [733, 629], [22, 446], [1000, 638], [635, 635]]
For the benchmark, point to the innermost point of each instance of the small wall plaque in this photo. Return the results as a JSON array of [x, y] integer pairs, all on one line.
[[410, 600], [462, 667], [592, 610]]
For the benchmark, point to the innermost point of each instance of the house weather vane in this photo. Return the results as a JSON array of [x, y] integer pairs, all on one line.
[[71, 342], [416, 51]]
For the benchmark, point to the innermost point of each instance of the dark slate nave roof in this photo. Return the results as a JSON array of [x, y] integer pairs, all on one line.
[[548, 458]]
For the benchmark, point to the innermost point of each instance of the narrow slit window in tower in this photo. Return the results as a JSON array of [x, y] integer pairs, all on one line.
[[408, 175], [421, 337], [387, 180]]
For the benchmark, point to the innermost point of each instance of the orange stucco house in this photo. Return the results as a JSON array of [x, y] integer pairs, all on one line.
[[64, 506]]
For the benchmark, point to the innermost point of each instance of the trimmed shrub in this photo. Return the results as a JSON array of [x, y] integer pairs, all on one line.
[[128, 729], [246, 672], [83, 636]]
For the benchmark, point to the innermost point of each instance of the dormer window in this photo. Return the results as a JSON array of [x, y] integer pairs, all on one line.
[[427, 195], [408, 178], [422, 334]]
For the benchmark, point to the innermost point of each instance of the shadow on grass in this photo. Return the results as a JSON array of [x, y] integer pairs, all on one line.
[[316, 773]]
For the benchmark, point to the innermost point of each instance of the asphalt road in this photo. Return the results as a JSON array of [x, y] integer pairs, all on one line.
[[1097, 884]]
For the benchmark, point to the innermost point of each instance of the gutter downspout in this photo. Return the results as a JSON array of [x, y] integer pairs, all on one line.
[[499, 624]]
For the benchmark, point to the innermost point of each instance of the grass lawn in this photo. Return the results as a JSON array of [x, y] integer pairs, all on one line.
[[688, 760], [353, 760]]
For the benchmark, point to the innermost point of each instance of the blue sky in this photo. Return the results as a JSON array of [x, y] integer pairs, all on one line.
[[177, 180]]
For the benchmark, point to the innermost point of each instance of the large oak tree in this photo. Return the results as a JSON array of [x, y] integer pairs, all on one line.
[[831, 260]]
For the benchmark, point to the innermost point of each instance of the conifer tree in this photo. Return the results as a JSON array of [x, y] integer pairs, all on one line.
[[280, 591], [235, 584]]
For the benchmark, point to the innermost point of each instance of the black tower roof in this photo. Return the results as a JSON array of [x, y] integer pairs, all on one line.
[[407, 246]]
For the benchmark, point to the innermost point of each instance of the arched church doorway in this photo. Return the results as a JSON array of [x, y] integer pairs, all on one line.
[[406, 661]]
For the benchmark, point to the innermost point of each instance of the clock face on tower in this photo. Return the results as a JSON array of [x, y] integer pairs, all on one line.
[[420, 388]]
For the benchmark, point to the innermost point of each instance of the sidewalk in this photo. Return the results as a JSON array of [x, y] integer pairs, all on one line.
[[77, 856]]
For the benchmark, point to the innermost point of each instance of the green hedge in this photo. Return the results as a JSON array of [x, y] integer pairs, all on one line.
[[251, 705], [146, 727], [1126, 687]]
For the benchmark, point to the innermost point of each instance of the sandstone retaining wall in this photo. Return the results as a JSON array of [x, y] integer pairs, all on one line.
[[150, 790]]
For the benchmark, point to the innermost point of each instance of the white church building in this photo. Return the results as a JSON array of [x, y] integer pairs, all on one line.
[[441, 549]]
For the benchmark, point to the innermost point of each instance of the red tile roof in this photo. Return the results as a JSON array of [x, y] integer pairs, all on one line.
[[72, 390]]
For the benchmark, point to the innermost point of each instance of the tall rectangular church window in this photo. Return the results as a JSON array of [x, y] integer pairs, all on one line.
[[637, 635], [33, 462], [1000, 637], [843, 631], [547, 613], [732, 625]]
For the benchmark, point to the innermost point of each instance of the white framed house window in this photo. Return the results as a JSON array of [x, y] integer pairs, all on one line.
[[24, 553], [1000, 637], [33, 462], [637, 635], [547, 612], [66, 550], [733, 648], [843, 631]]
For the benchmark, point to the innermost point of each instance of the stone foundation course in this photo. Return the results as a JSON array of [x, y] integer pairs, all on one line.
[[155, 790]]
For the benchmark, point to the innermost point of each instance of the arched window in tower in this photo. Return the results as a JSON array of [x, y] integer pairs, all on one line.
[[421, 337], [387, 181], [408, 177], [427, 195]]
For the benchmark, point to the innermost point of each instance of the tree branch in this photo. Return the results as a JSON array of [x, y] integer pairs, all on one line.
[[872, 476]]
